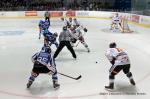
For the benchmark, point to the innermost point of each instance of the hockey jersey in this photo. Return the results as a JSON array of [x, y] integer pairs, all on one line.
[[116, 19], [120, 56], [76, 23], [43, 58]]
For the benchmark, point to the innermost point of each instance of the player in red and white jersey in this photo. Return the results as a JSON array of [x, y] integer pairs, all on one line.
[[120, 61], [76, 31]]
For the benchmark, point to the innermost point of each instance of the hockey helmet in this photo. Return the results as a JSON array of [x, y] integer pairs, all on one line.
[[112, 45], [117, 14], [74, 19], [62, 18], [55, 34], [64, 28], [70, 19], [46, 49]]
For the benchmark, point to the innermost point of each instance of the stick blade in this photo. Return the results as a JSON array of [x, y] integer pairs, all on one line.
[[78, 77]]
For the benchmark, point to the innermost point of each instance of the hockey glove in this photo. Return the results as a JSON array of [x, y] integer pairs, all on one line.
[[113, 61]]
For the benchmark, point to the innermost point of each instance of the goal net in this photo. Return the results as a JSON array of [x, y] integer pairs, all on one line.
[[124, 25]]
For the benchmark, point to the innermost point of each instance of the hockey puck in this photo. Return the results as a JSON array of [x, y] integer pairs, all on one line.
[[96, 62]]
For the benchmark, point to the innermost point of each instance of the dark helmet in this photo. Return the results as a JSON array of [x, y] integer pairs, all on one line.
[[70, 19], [74, 19], [64, 28], [112, 45], [62, 18], [46, 49]]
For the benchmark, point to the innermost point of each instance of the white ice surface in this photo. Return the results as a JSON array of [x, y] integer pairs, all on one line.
[[15, 63]]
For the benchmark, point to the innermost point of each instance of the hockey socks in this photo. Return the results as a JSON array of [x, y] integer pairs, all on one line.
[[86, 46], [129, 75], [31, 79], [111, 83]]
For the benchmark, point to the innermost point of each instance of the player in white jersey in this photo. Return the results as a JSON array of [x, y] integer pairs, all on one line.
[[120, 61], [76, 31], [66, 22], [115, 22], [75, 22], [70, 22]]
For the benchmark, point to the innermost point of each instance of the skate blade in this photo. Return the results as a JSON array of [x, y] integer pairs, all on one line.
[[110, 90], [56, 88]]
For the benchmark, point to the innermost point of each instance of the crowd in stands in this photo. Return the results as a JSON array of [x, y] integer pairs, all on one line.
[[10, 5], [39, 5]]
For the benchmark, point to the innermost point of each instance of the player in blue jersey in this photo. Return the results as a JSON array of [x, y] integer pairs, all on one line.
[[51, 37], [47, 24], [43, 63], [46, 32], [43, 25]]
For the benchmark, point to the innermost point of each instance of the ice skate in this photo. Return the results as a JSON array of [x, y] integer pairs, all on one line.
[[110, 87], [29, 84], [88, 50], [132, 82], [56, 85]]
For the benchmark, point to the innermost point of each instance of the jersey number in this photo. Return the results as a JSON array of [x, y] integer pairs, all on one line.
[[42, 59]]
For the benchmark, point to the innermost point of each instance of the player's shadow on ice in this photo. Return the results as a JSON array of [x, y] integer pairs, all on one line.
[[64, 59], [80, 50], [125, 88], [106, 30], [41, 88]]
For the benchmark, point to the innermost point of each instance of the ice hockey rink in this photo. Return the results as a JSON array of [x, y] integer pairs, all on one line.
[[19, 41]]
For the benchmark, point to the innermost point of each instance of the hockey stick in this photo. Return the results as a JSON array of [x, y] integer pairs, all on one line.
[[77, 78]]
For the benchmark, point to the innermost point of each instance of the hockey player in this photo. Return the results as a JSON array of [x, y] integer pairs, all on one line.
[[70, 22], [76, 31], [116, 22], [120, 61], [51, 37], [66, 22], [76, 23], [43, 63], [43, 25]]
